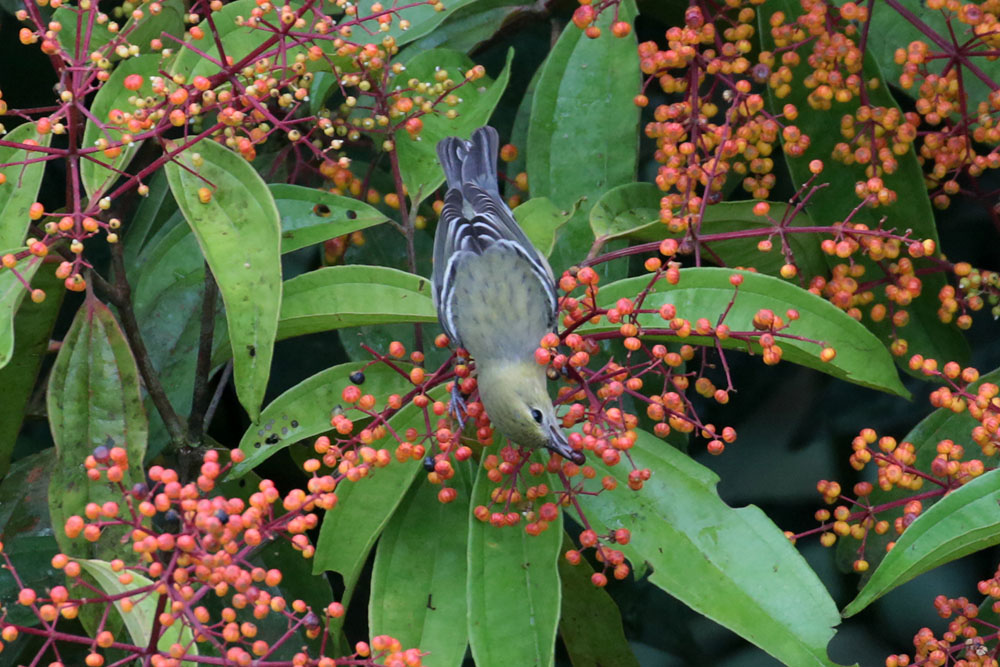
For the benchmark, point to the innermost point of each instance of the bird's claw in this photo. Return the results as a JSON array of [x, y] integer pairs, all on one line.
[[457, 407]]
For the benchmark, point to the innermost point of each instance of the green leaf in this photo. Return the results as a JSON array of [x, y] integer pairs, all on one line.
[[12, 293], [627, 210], [423, 20], [26, 531], [169, 21], [632, 211], [514, 592], [168, 280], [365, 507], [93, 400], [141, 618], [961, 523], [584, 134], [541, 220], [310, 215], [353, 295], [468, 26], [21, 182], [303, 411], [239, 234], [925, 333], [419, 578], [590, 623], [113, 95], [733, 566], [707, 292], [153, 217], [32, 327], [418, 161]]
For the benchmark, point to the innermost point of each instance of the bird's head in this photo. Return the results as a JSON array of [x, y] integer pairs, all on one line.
[[519, 406]]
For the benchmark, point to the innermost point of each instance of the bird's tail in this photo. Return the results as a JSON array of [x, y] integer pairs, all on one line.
[[472, 161]]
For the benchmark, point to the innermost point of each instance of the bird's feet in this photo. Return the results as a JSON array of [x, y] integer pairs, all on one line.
[[457, 407]]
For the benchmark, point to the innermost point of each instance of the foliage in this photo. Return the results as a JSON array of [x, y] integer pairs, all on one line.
[[721, 188]]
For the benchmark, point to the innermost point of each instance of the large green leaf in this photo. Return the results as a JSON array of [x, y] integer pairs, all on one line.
[[628, 210], [583, 138], [469, 24], [733, 566], [963, 522], [303, 411], [309, 215], [239, 233], [707, 292], [20, 188], [365, 507], [12, 293], [353, 295], [113, 95], [632, 211], [926, 334], [93, 400], [17, 194], [33, 324], [513, 588], [590, 623], [155, 215], [419, 578], [141, 617], [541, 221], [418, 161]]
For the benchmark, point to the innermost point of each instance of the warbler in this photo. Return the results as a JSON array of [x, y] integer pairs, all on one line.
[[495, 294]]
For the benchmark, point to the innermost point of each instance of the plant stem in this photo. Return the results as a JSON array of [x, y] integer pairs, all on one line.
[[121, 297], [200, 400]]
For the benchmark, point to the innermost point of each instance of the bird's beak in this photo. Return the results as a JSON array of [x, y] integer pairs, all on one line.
[[560, 445]]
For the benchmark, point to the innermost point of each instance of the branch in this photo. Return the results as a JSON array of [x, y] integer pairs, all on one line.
[[121, 296]]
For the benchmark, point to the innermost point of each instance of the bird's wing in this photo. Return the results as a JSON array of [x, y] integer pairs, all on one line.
[[474, 219]]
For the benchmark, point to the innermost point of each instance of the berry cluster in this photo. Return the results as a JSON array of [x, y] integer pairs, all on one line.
[[700, 143], [188, 542], [258, 96], [908, 467]]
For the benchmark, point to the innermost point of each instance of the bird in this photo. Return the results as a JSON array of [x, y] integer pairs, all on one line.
[[495, 295]]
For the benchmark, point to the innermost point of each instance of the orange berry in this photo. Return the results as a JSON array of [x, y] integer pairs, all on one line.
[[133, 82], [621, 29], [584, 16]]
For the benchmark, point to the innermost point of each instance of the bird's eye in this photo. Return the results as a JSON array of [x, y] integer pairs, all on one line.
[[536, 414]]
